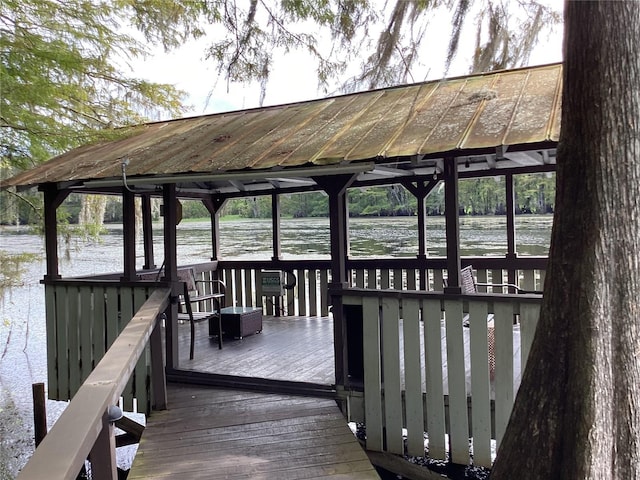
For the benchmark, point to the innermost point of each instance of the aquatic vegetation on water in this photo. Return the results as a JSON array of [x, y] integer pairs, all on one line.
[[16, 442], [12, 268]]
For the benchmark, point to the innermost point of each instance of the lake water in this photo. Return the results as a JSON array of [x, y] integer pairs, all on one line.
[[22, 323]]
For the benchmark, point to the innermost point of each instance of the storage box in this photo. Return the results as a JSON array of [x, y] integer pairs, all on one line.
[[238, 322]]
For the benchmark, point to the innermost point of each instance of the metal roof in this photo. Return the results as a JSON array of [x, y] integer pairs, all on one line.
[[491, 120]]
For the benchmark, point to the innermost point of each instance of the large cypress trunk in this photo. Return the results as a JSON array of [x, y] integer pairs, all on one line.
[[577, 411]]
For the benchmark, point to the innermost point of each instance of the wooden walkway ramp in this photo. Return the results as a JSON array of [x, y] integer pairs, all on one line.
[[219, 433]]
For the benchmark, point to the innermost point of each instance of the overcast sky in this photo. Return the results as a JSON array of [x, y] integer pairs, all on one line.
[[293, 76]]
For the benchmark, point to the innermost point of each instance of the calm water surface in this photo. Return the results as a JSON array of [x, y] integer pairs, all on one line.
[[22, 324]]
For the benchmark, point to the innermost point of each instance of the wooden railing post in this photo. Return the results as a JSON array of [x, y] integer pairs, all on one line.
[[103, 453], [158, 379], [39, 412]]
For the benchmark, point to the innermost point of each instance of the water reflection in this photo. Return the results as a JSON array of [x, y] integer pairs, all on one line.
[[300, 238], [370, 237]]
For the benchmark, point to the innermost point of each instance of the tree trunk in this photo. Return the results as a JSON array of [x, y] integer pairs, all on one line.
[[577, 413]]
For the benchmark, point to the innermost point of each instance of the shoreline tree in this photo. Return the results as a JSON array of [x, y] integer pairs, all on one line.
[[576, 413]]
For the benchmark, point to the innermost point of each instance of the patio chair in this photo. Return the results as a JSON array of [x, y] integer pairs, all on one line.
[[469, 285], [209, 302]]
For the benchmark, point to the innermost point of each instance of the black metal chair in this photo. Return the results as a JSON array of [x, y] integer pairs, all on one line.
[[208, 301]]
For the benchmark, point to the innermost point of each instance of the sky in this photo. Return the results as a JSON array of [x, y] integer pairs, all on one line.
[[293, 75]]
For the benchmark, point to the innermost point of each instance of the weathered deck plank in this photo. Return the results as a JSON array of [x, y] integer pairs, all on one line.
[[216, 433], [289, 348]]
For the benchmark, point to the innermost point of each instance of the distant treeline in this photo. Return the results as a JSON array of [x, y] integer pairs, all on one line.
[[535, 193]]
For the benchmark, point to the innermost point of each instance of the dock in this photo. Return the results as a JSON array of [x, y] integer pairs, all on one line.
[[218, 433]]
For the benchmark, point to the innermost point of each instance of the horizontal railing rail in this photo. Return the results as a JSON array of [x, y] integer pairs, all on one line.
[[308, 295], [308, 279], [84, 430]]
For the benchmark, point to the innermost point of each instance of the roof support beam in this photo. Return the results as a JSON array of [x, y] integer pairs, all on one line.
[[421, 190], [336, 187], [276, 215], [511, 227]]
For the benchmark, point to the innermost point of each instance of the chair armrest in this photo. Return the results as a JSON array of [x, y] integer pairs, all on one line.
[[221, 287], [509, 285], [206, 296]]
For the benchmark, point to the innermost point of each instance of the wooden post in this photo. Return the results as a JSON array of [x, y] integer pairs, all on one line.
[[276, 226], [129, 233], [214, 205], [421, 190], [170, 199], [452, 221], [511, 229], [39, 412], [53, 198], [336, 187], [103, 453], [147, 233], [158, 379]]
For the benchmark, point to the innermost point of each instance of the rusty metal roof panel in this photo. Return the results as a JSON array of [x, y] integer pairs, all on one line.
[[392, 120], [450, 116], [356, 140], [347, 129], [310, 137], [330, 127], [173, 153], [296, 133], [460, 116], [226, 141], [415, 137], [267, 151], [538, 110], [496, 109]]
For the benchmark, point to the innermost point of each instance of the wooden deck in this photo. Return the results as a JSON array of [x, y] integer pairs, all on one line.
[[224, 433], [289, 348], [215, 433]]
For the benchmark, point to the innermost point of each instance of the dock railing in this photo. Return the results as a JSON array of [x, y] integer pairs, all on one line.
[[84, 317], [308, 295], [428, 367], [84, 429]]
